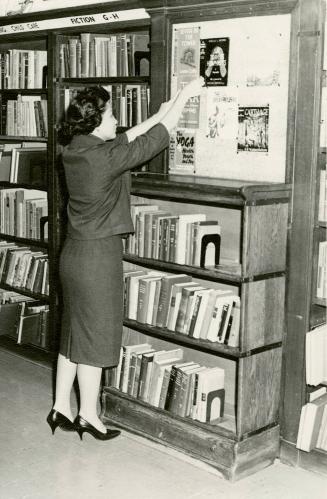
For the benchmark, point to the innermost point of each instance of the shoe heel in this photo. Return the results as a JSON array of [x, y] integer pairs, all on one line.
[[80, 432]]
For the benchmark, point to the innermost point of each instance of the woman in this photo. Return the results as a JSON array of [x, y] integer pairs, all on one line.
[[97, 165]]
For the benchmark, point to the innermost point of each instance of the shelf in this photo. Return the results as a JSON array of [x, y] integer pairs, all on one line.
[[23, 240], [12, 185], [24, 91], [322, 302], [317, 316], [35, 354], [100, 80], [27, 292], [207, 190], [213, 427], [315, 461], [215, 445], [213, 348], [16, 138], [221, 273]]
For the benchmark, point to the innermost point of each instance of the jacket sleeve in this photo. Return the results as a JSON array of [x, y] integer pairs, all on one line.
[[127, 155]]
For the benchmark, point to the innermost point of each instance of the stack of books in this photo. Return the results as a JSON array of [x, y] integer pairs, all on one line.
[[322, 272], [22, 211], [312, 431], [316, 356], [181, 305], [27, 115], [162, 379], [21, 68], [101, 55], [187, 239], [23, 268]]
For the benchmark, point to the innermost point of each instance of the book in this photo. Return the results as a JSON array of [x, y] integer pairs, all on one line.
[[145, 375], [167, 283], [223, 297], [175, 299], [31, 166], [173, 386], [311, 423], [127, 351], [233, 328], [199, 313], [160, 360], [175, 394], [184, 308], [183, 220], [144, 295]]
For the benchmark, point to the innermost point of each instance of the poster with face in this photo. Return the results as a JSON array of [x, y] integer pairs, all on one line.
[[214, 54]]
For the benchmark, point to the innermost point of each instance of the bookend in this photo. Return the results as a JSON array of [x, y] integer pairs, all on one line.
[[205, 241]]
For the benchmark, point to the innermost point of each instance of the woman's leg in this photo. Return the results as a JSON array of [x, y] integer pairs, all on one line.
[[66, 372], [89, 378]]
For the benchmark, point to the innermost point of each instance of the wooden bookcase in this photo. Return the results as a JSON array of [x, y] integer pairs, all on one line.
[[304, 309], [249, 438], [38, 89], [253, 370]]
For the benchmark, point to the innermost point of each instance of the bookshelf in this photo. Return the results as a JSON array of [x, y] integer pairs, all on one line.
[[24, 100], [306, 310], [266, 275], [260, 283]]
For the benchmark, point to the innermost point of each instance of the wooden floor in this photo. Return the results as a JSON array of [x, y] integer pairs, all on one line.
[[36, 465]]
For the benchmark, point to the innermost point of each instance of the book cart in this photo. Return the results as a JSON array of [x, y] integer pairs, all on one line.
[[248, 436]]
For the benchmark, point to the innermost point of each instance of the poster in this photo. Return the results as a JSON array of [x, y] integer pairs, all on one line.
[[182, 151], [253, 127], [214, 55], [222, 115], [186, 68]]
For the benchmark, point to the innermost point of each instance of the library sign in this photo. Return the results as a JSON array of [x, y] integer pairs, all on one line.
[[64, 22]]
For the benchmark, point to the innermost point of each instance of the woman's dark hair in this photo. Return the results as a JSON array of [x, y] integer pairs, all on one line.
[[84, 113]]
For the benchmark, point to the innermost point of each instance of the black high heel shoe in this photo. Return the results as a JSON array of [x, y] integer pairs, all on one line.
[[82, 426], [56, 419]]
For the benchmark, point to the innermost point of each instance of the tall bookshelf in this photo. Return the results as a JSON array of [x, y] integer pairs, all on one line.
[[24, 85], [306, 310], [266, 216]]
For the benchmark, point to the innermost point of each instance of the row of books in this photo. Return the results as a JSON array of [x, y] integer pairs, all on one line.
[[130, 103], [187, 239], [322, 271], [162, 379], [24, 165], [312, 431], [179, 304], [21, 68], [101, 55], [24, 268], [22, 211], [24, 319], [316, 355], [25, 116], [322, 213]]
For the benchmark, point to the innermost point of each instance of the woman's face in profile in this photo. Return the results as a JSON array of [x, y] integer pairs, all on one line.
[[108, 125]]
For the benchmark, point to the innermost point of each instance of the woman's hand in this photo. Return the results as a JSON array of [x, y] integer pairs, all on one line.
[[193, 88]]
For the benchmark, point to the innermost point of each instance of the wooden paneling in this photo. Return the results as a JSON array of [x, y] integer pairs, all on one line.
[[264, 249], [262, 312], [258, 390]]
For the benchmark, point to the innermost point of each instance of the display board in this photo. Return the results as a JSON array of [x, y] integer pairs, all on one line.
[[237, 128]]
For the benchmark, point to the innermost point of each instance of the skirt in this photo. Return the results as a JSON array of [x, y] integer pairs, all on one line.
[[91, 274]]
